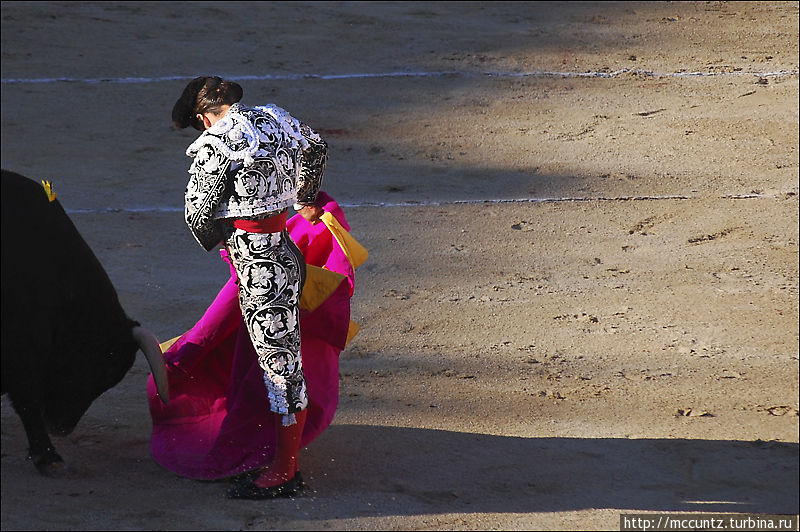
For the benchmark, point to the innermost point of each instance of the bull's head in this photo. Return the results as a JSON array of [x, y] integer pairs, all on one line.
[[69, 400]]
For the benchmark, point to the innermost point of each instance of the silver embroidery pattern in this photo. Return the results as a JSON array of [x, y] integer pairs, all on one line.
[[250, 163], [270, 276], [204, 191]]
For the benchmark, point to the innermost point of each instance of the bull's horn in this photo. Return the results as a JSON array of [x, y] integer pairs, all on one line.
[[152, 351]]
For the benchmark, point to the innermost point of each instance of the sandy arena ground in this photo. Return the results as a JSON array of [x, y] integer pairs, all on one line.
[[620, 338]]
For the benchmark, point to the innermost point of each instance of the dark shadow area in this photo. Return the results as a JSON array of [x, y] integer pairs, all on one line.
[[358, 471], [484, 473]]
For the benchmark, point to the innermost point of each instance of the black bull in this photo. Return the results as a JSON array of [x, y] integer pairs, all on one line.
[[65, 337]]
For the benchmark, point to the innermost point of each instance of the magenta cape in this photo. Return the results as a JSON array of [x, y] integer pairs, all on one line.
[[218, 422]]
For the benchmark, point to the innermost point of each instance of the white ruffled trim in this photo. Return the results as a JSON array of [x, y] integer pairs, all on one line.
[[277, 398], [236, 127], [289, 123], [277, 394], [256, 207]]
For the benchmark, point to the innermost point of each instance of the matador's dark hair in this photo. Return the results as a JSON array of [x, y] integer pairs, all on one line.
[[204, 94]]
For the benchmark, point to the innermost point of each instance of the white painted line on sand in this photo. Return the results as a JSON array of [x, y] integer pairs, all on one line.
[[412, 74], [110, 210]]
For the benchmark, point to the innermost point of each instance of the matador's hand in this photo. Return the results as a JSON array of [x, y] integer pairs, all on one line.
[[311, 213]]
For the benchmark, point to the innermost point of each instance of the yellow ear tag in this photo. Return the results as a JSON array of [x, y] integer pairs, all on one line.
[[48, 188]]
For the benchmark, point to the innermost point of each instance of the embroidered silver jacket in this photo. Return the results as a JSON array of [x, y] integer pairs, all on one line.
[[252, 163]]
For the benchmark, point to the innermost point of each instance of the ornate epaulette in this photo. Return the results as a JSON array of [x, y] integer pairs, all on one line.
[[48, 188]]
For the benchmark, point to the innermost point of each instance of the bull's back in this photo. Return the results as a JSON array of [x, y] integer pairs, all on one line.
[[54, 289], [23, 201]]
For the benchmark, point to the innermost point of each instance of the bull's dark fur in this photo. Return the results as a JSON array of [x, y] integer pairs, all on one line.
[[65, 337]]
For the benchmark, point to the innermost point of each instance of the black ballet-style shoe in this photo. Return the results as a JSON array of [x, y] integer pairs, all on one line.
[[247, 489], [247, 476], [251, 476]]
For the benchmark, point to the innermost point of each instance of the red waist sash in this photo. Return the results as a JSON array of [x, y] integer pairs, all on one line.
[[273, 224]]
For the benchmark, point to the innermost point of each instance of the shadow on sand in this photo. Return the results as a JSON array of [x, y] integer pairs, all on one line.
[[396, 468]]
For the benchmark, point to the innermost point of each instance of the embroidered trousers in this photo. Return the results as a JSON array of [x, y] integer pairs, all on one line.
[[271, 273]]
